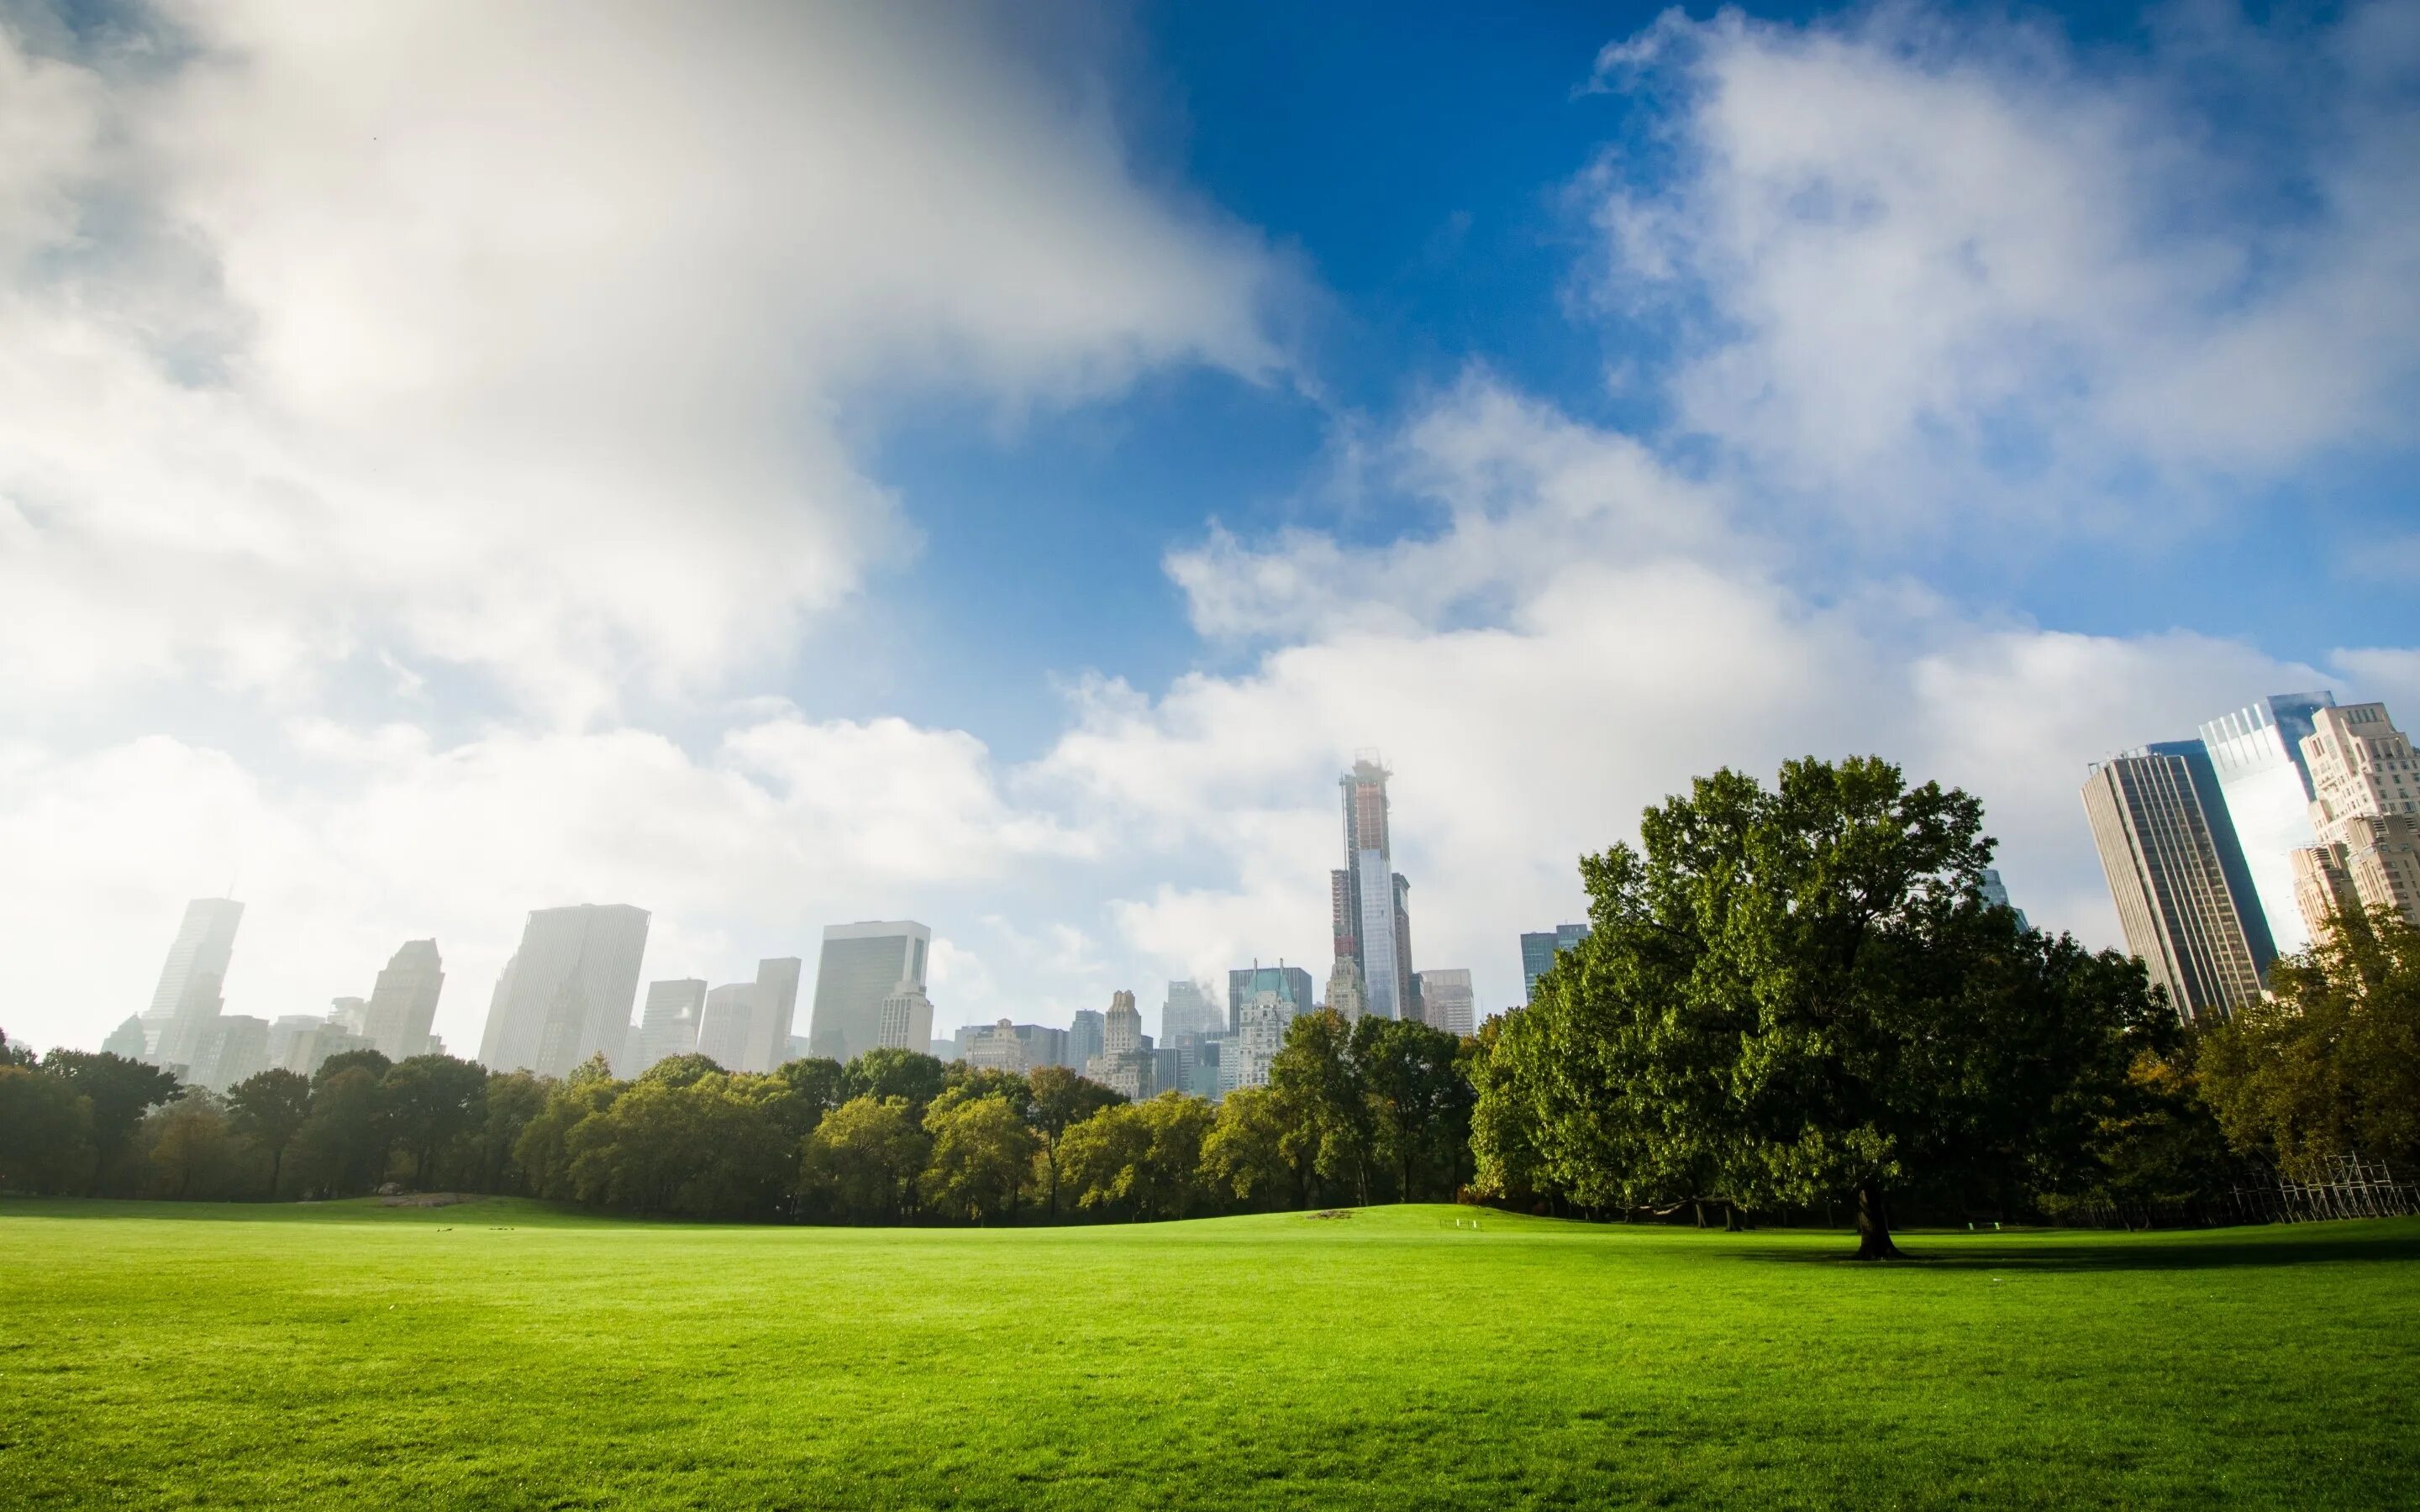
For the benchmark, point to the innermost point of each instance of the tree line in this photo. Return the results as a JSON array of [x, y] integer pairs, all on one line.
[[1793, 998]]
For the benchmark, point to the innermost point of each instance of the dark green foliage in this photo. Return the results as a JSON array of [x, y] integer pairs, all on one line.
[[13, 1054], [45, 1132], [862, 1162], [190, 1150], [341, 1148], [680, 1071], [1419, 1102], [432, 1105], [1140, 1160], [1329, 1124], [373, 1061], [118, 1091], [909, 1074], [983, 1157], [701, 1148], [1061, 1100], [2330, 1066], [270, 1109]]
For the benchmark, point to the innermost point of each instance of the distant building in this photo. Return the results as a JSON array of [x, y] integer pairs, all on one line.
[[308, 1047], [1368, 899], [1292, 984], [2256, 754], [668, 1024], [567, 993], [907, 1019], [773, 1007], [1189, 1010], [1085, 1036], [1996, 893], [1446, 1001], [1200, 1068], [943, 1050], [233, 1048], [723, 1028], [192, 979], [1345, 993], [862, 965], [402, 1003], [1125, 1064], [994, 1047], [1538, 952], [1245, 1055], [2177, 873], [2366, 816], [126, 1038]]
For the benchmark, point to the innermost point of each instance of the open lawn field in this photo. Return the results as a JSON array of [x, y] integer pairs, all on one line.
[[501, 1353]]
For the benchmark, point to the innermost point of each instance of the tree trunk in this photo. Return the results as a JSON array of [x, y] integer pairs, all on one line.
[[1873, 1226], [276, 1159]]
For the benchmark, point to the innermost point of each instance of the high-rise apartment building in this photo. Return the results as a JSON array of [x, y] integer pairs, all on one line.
[[668, 1024], [1446, 1001], [1538, 952], [862, 965], [192, 979], [907, 1020], [1085, 1036], [1292, 984], [724, 1027], [1188, 1010], [566, 993], [402, 1004], [2178, 876], [2257, 754], [775, 1006], [1368, 899], [1245, 1056], [2365, 813]]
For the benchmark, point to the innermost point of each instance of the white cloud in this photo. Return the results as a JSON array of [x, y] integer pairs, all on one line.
[[363, 332]]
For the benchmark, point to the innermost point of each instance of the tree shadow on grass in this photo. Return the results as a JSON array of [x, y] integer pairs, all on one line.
[[2176, 1250]]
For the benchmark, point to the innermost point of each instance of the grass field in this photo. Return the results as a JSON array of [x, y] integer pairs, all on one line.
[[503, 1354]]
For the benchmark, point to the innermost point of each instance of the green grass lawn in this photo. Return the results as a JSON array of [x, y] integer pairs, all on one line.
[[503, 1354]]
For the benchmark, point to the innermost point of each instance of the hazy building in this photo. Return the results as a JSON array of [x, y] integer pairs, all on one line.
[[668, 1023], [944, 1050], [1292, 984], [862, 965], [1084, 1037], [907, 1020], [2176, 874], [1125, 1063], [308, 1046], [1996, 893], [1446, 1001], [192, 979], [2257, 754], [402, 1004], [994, 1047], [1344, 990], [1367, 900], [1189, 1010], [231, 1048], [567, 993], [724, 1026], [127, 1040], [775, 1007], [1538, 952]]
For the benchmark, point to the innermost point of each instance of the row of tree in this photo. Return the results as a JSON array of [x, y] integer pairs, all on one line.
[[1353, 1114]]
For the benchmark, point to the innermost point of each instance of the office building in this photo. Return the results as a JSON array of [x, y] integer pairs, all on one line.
[[567, 993], [1125, 1063], [907, 1020], [1368, 901], [1245, 1057], [2265, 782], [773, 1009], [1189, 1010], [862, 965], [1446, 1001], [668, 1024], [1538, 952], [127, 1040], [994, 1047], [307, 1044], [231, 1048], [1345, 993], [192, 979], [402, 1003], [723, 1028], [1084, 1037], [2177, 873], [1292, 985], [2376, 865], [1996, 893]]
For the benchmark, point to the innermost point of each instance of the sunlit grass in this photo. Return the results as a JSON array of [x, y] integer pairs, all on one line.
[[502, 1354]]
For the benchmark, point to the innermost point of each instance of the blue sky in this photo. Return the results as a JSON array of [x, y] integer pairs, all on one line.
[[994, 465]]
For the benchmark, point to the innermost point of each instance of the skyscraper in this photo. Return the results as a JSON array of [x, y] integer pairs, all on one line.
[[907, 1020], [668, 1023], [1188, 1010], [775, 1006], [1446, 1001], [1537, 952], [403, 1002], [2257, 754], [1368, 900], [1292, 984], [230, 1048], [1125, 1064], [862, 965], [1085, 1036], [566, 993], [2366, 815], [723, 1028], [192, 979], [1344, 990], [1996, 893], [2177, 873]]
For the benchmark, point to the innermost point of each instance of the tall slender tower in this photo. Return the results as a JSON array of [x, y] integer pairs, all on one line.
[[567, 993], [2177, 873], [192, 979], [1367, 897], [2257, 754], [403, 1003]]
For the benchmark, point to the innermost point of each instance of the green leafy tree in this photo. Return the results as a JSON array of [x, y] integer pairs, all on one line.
[[269, 1109], [544, 1151], [862, 1162], [512, 1101], [2329, 1066], [45, 1131], [191, 1147], [983, 1155], [373, 1061], [1798, 993], [1329, 1120], [1143, 1159], [13, 1054], [1420, 1100], [342, 1145], [702, 1149], [119, 1092], [890, 1072], [680, 1071], [1244, 1153], [962, 1083], [1059, 1100], [433, 1104], [1503, 1133]]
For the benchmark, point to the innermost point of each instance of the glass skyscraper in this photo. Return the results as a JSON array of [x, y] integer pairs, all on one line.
[[862, 964], [1538, 953], [2257, 755], [2176, 870]]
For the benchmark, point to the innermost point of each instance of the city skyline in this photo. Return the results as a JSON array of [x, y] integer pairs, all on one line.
[[1525, 408]]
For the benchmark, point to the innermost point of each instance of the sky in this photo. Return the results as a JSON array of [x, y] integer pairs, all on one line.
[[780, 466]]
